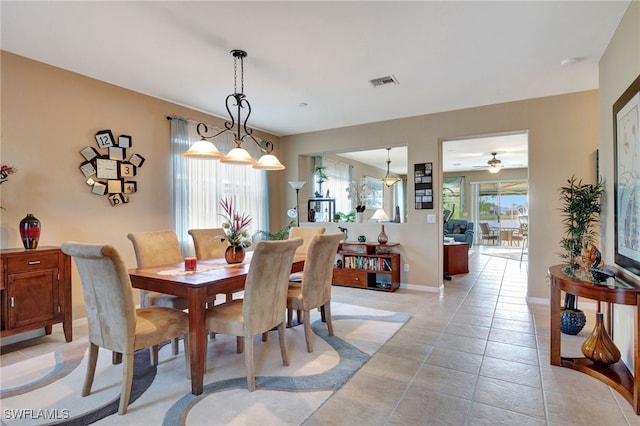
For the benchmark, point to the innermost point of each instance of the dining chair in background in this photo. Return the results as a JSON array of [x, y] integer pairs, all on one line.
[[264, 303], [488, 234], [156, 248], [207, 246], [315, 289], [114, 322]]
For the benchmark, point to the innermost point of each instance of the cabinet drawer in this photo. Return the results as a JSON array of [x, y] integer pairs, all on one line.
[[32, 263], [351, 277]]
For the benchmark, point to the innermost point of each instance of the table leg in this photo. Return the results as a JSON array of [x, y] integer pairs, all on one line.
[[554, 301], [197, 337]]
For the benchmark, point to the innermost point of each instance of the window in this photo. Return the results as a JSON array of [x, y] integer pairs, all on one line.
[[199, 185], [339, 177], [453, 195]]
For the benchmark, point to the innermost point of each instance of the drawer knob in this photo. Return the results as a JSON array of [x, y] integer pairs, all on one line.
[[34, 262]]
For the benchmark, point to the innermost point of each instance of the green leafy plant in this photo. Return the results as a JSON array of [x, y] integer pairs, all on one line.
[[348, 217], [321, 175], [580, 210], [282, 234]]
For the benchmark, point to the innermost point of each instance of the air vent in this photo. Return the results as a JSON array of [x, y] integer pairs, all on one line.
[[383, 81]]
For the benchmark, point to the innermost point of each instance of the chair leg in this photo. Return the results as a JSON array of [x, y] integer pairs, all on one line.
[[282, 337], [153, 354], [300, 316], [187, 355], [289, 318], [127, 379], [248, 361], [239, 344], [174, 346], [228, 297], [326, 310], [308, 336], [91, 369], [265, 336]]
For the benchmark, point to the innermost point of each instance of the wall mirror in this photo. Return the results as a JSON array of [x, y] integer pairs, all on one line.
[[338, 169]]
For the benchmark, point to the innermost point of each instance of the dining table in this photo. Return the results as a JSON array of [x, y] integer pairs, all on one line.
[[211, 277]]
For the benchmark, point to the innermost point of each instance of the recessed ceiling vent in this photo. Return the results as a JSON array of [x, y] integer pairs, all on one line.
[[383, 81]]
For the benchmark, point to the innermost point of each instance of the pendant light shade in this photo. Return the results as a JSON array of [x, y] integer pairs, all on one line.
[[203, 149], [238, 156], [389, 180], [268, 162]]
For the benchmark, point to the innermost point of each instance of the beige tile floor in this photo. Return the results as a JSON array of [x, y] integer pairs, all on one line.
[[474, 354]]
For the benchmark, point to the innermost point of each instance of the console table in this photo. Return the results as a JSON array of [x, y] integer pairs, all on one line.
[[456, 258], [626, 291]]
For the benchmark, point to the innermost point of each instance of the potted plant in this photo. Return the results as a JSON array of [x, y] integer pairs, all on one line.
[[580, 211], [282, 234], [321, 177], [236, 232]]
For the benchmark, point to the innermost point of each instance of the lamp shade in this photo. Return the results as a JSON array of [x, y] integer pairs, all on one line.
[[390, 181], [268, 162], [203, 149], [238, 156], [494, 169], [297, 184], [380, 216]]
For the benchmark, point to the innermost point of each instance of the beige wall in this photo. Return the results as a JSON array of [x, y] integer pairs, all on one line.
[[563, 135], [48, 115], [619, 67]]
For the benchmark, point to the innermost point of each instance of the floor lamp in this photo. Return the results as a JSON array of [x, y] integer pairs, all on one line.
[[297, 185]]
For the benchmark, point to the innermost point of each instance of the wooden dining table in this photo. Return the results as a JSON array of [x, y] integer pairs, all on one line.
[[212, 276]]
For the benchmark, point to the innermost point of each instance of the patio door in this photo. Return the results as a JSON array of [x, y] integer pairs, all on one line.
[[499, 204]]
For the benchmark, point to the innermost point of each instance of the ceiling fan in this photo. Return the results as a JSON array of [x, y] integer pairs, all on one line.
[[493, 165]]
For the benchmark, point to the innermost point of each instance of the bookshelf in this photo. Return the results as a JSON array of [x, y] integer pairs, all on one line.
[[367, 265]]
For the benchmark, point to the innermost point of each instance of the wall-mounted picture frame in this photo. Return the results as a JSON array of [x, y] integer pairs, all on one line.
[[89, 153], [137, 160], [124, 141], [87, 169], [626, 134], [116, 153], [104, 138], [423, 185], [99, 188]]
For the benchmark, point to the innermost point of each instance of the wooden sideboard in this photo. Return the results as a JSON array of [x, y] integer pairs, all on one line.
[[625, 292], [35, 290]]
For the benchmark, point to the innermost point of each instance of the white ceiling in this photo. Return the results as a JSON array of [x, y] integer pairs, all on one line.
[[445, 55]]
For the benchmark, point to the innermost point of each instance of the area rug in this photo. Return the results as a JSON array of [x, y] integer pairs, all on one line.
[[511, 253], [46, 389]]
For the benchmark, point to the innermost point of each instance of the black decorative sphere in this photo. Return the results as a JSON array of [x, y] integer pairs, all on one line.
[[572, 321]]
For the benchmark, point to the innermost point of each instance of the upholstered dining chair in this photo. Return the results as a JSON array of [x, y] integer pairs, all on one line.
[[315, 289], [155, 248], [207, 246], [264, 303], [114, 322]]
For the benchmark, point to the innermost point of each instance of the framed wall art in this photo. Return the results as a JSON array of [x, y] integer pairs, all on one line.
[[423, 183], [626, 134]]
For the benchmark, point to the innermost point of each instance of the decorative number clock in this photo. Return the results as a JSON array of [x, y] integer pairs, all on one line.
[[108, 169]]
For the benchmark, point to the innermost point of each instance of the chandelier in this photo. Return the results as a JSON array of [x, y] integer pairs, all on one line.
[[238, 127], [389, 180]]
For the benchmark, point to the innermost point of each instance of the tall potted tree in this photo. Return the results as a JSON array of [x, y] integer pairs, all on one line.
[[580, 212]]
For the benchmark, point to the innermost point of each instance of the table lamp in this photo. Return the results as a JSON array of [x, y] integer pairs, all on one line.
[[380, 216], [297, 185]]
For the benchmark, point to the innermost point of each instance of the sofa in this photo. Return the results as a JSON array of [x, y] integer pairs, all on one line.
[[460, 230]]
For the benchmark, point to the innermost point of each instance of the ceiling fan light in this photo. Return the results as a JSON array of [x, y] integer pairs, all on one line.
[[494, 168], [204, 150], [238, 156], [268, 162]]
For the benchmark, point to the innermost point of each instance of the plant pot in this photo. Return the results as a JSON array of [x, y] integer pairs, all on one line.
[[234, 254], [359, 217], [572, 321], [599, 347]]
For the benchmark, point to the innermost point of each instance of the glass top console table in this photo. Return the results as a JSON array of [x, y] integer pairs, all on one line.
[[624, 290]]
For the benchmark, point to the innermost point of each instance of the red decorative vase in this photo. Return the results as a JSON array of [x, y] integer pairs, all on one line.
[[30, 231], [234, 254]]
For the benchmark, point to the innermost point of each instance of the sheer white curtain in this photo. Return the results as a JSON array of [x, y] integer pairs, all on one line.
[[199, 185], [399, 201], [339, 178]]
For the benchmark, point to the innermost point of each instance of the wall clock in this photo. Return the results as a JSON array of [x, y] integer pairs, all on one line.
[[110, 168]]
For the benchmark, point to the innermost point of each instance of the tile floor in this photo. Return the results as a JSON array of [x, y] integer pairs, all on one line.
[[474, 354]]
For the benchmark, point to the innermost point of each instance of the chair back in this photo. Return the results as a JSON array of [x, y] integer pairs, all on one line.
[[318, 269], [307, 235], [205, 243], [156, 248], [265, 292], [107, 295], [484, 227]]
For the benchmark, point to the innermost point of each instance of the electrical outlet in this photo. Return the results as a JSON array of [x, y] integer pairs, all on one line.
[[406, 267]]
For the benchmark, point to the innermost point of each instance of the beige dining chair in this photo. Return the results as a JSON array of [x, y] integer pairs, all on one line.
[[264, 303], [207, 246], [156, 248], [315, 289], [114, 322], [488, 234]]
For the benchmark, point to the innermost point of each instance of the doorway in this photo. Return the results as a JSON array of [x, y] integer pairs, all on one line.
[[501, 206]]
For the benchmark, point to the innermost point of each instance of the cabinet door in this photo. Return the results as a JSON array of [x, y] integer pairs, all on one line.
[[32, 297]]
